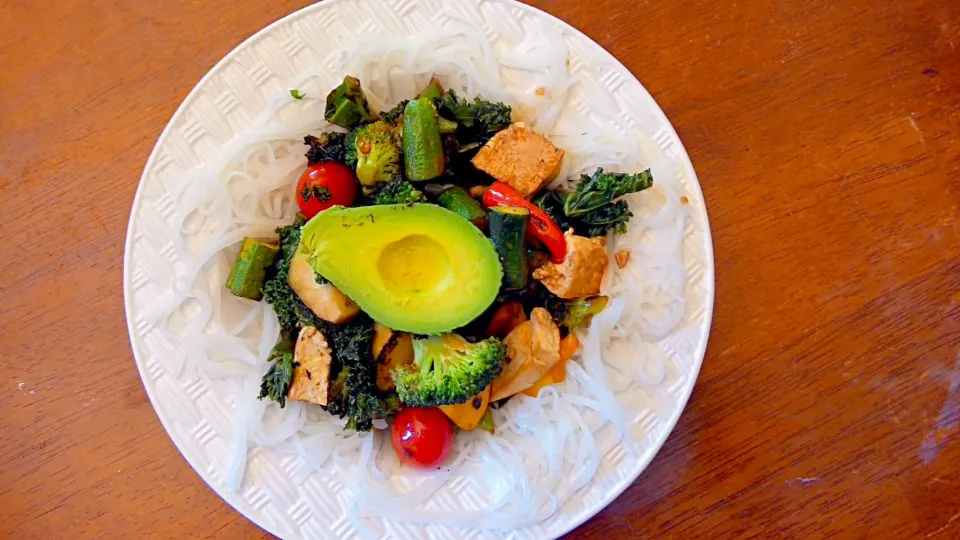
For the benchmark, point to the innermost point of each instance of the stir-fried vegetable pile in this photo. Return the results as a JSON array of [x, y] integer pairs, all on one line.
[[468, 157]]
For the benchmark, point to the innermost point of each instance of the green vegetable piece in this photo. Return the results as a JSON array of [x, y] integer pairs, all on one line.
[[329, 146], [250, 268], [480, 120], [296, 94], [395, 113], [399, 192], [276, 382], [508, 227], [457, 200], [603, 188], [551, 202], [422, 147], [433, 90], [446, 126], [448, 370], [486, 423], [609, 216], [580, 311], [374, 152], [291, 311], [347, 105], [353, 392]]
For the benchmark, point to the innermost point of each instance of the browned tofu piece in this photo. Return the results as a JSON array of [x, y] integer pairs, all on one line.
[[311, 377], [391, 349], [520, 157], [581, 271], [325, 300], [532, 349]]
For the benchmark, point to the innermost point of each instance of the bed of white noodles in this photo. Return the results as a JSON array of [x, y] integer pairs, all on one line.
[[544, 449]]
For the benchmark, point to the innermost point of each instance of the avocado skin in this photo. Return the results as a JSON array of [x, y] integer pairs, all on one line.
[[416, 268]]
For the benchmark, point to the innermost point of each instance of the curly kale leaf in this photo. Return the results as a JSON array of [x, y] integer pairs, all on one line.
[[328, 146], [478, 121], [492, 116], [551, 202], [276, 382], [603, 188], [593, 223], [394, 114], [592, 210], [609, 216], [354, 394], [292, 313]]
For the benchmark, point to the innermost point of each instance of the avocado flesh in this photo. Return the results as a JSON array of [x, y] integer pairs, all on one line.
[[416, 268]]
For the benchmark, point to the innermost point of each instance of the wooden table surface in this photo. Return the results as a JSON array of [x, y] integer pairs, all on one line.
[[826, 135]]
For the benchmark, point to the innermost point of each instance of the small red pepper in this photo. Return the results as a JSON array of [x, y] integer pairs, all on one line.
[[541, 226]]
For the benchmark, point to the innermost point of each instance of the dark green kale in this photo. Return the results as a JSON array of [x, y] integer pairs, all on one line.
[[394, 114], [603, 188], [327, 147], [276, 382], [353, 393], [551, 202], [399, 192], [292, 313], [592, 210], [489, 115], [478, 121], [607, 217]]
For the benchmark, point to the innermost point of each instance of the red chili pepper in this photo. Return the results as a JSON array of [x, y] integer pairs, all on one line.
[[541, 226]]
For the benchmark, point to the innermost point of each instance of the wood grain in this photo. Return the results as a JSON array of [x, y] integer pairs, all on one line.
[[826, 135]]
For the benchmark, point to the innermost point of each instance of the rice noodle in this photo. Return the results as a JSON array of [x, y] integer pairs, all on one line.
[[545, 448]]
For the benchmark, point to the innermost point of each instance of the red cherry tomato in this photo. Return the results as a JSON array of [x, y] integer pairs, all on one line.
[[324, 185], [422, 437]]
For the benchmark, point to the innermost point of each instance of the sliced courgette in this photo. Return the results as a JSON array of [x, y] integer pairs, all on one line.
[[422, 147], [250, 268], [508, 226]]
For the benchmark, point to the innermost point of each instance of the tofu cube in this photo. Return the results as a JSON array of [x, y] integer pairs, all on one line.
[[311, 377], [581, 271], [521, 158]]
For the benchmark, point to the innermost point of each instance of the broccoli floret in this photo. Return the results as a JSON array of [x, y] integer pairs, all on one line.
[[373, 150], [276, 382], [448, 369], [347, 106], [399, 192]]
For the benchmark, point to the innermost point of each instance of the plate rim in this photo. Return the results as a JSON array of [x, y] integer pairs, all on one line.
[[585, 513]]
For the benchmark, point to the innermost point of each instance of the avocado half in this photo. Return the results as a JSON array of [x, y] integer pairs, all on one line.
[[417, 268]]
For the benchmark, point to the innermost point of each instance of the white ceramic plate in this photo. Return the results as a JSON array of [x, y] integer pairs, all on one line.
[[279, 493]]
